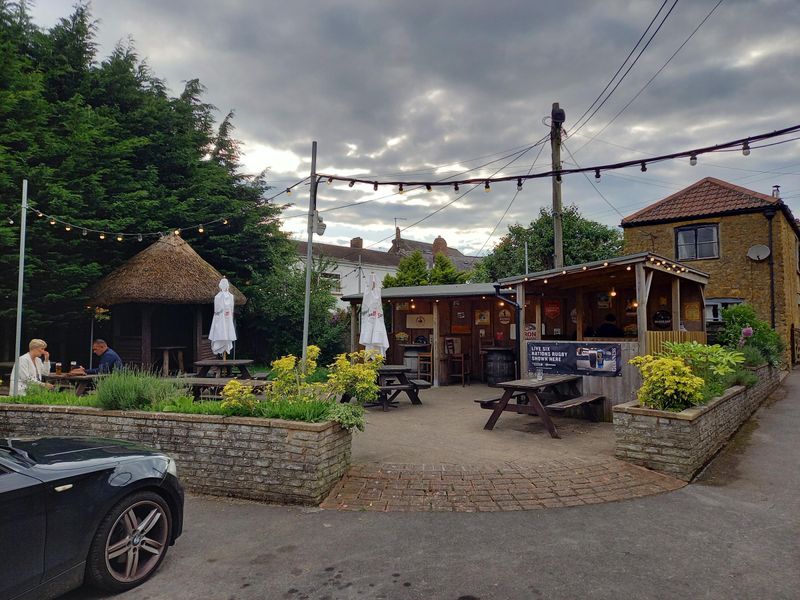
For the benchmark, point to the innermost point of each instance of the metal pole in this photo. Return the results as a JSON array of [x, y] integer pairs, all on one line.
[[312, 213], [556, 119], [527, 270], [23, 222]]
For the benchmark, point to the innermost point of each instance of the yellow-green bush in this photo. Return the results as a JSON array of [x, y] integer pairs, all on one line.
[[668, 383]]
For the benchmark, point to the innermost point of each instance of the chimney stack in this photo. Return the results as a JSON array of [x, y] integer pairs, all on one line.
[[776, 191], [397, 233], [357, 242], [439, 246]]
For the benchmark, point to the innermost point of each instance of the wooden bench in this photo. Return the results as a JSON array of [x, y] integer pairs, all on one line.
[[586, 402], [421, 384], [521, 397]]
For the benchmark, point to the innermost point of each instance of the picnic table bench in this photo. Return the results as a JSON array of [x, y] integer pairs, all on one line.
[[80, 383], [526, 393]]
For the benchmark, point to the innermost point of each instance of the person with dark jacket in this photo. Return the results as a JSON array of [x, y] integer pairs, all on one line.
[[609, 328], [109, 360]]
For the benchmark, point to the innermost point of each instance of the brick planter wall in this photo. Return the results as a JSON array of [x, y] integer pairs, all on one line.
[[680, 444], [259, 459]]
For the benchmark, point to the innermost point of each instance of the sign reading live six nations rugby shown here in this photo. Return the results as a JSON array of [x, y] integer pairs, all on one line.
[[592, 358]]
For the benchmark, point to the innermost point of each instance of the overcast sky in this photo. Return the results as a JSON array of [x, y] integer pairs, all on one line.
[[442, 86]]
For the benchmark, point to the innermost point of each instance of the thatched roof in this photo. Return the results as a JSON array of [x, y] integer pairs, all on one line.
[[168, 272]]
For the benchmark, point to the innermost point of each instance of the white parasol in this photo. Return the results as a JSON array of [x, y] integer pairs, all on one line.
[[373, 329], [223, 333]]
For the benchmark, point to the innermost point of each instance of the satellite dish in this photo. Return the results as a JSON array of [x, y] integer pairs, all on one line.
[[758, 252]]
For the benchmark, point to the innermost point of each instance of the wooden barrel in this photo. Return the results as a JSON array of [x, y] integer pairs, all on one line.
[[499, 366]]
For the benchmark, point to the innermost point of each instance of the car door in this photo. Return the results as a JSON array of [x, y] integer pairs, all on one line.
[[22, 532]]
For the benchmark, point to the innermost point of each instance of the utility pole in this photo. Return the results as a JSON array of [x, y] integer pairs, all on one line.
[[312, 225], [557, 118]]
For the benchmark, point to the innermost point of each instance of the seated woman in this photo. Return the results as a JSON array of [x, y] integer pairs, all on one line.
[[31, 368]]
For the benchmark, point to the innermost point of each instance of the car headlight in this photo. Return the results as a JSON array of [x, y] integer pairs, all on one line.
[[172, 468]]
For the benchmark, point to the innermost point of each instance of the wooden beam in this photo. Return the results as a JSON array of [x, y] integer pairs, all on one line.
[[538, 313], [579, 309], [354, 327], [435, 345], [523, 355], [642, 292], [676, 304]]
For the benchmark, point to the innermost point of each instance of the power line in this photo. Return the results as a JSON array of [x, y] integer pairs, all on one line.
[[606, 200], [657, 73], [638, 56]]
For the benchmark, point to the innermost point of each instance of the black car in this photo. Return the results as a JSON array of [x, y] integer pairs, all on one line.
[[82, 509]]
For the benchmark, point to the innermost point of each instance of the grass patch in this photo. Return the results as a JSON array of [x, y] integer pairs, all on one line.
[[36, 394]]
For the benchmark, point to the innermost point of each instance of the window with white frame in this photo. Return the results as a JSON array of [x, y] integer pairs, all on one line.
[[697, 241]]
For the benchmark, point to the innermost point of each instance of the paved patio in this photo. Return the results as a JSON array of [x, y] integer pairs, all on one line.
[[438, 457]]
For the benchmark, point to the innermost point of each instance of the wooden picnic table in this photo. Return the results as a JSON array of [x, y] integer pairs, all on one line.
[[81, 383], [168, 351], [214, 384], [531, 404], [225, 366], [393, 380]]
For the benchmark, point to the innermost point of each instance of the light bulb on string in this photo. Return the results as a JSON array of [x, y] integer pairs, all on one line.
[[224, 221], [693, 159], [375, 187], [139, 237], [52, 221], [400, 189], [119, 237], [428, 187], [288, 191], [102, 236], [486, 187], [351, 184], [330, 180], [519, 184], [644, 166], [558, 177], [84, 232], [200, 229], [612, 293], [455, 188], [597, 174], [10, 221], [39, 213], [746, 149], [177, 232], [67, 228]]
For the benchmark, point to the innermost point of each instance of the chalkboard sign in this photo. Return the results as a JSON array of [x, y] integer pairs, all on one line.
[[593, 358]]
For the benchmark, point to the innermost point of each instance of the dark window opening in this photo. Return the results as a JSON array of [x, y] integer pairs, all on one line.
[[697, 242]]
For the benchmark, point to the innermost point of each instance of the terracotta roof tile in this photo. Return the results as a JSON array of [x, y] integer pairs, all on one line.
[[707, 197]]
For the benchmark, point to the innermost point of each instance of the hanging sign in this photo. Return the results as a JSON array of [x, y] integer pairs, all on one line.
[[662, 319], [530, 331], [692, 311], [504, 316], [552, 309], [593, 359]]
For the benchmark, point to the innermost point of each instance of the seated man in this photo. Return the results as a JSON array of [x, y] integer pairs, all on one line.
[[109, 360], [609, 328]]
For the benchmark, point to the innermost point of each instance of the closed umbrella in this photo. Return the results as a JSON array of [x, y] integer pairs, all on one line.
[[223, 333], [373, 329]]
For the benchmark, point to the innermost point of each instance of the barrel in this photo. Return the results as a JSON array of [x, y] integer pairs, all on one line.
[[499, 366]]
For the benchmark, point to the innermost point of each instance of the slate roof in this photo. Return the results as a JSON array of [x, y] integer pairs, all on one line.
[[706, 198], [406, 247], [368, 257]]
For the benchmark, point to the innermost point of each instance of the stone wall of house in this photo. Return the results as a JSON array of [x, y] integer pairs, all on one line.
[[680, 444], [259, 459]]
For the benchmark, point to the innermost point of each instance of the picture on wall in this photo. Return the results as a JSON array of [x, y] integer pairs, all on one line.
[[483, 317], [419, 321], [460, 317]]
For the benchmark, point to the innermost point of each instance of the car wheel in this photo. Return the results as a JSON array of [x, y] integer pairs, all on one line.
[[130, 542]]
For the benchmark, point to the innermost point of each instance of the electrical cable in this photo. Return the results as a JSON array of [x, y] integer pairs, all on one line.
[[606, 200], [657, 73]]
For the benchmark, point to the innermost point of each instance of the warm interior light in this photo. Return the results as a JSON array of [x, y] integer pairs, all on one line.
[[177, 232], [612, 293], [102, 236], [119, 238], [224, 221], [52, 221], [200, 229], [635, 304], [67, 228]]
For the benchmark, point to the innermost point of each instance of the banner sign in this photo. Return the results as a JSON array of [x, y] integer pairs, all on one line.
[[592, 358]]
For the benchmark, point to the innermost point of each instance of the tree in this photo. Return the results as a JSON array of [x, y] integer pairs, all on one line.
[[412, 270], [444, 272], [584, 241]]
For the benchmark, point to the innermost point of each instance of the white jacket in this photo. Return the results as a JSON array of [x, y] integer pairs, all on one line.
[[31, 371]]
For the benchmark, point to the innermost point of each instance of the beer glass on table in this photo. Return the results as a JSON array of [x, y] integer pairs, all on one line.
[[58, 368]]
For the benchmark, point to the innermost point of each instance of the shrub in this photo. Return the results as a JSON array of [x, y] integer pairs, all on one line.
[[355, 374], [238, 399], [741, 377], [668, 383], [752, 356], [764, 338], [38, 394], [712, 364], [130, 389]]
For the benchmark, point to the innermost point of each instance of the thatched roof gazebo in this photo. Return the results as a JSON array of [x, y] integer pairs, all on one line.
[[163, 296]]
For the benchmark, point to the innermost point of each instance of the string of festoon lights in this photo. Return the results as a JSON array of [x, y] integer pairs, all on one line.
[[745, 144], [120, 236]]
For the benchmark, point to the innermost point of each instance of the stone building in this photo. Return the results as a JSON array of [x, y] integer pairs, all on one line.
[[745, 240]]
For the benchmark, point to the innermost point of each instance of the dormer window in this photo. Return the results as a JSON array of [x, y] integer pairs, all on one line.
[[697, 241]]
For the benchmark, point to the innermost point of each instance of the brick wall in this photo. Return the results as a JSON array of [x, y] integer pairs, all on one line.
[[259, 459], [680, 444]]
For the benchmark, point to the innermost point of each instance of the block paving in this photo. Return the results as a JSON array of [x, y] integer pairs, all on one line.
[[493, 488]]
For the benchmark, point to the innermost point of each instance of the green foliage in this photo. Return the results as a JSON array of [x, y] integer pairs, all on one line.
[[444, 272], [349, 416], [412, 270], [713, 364], [129, 389], [311, 411], [38, 394], [741, 377], [765, 339], [752, 356], [584, 241], [238, 399], [355, 374], [668, 383]]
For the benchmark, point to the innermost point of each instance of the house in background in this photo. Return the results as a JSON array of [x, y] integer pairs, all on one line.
[[350, 267], [745, 240], [402, 247]]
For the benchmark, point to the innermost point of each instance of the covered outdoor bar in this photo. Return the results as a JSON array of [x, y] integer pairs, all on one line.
[[587, 319]]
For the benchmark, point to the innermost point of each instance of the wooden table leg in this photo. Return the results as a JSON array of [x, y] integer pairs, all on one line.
[[81, 388], [245, 372], [180, 362], [203, 372], [542, 412], [498, 410], [165, 364], [412, 393]]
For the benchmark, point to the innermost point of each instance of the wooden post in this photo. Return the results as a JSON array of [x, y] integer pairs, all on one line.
[[147, 335], [435, 345], [579, 319], [641, 310], [676, 304], [523, 355], [538, 310], [353, 328], [702, 291]]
